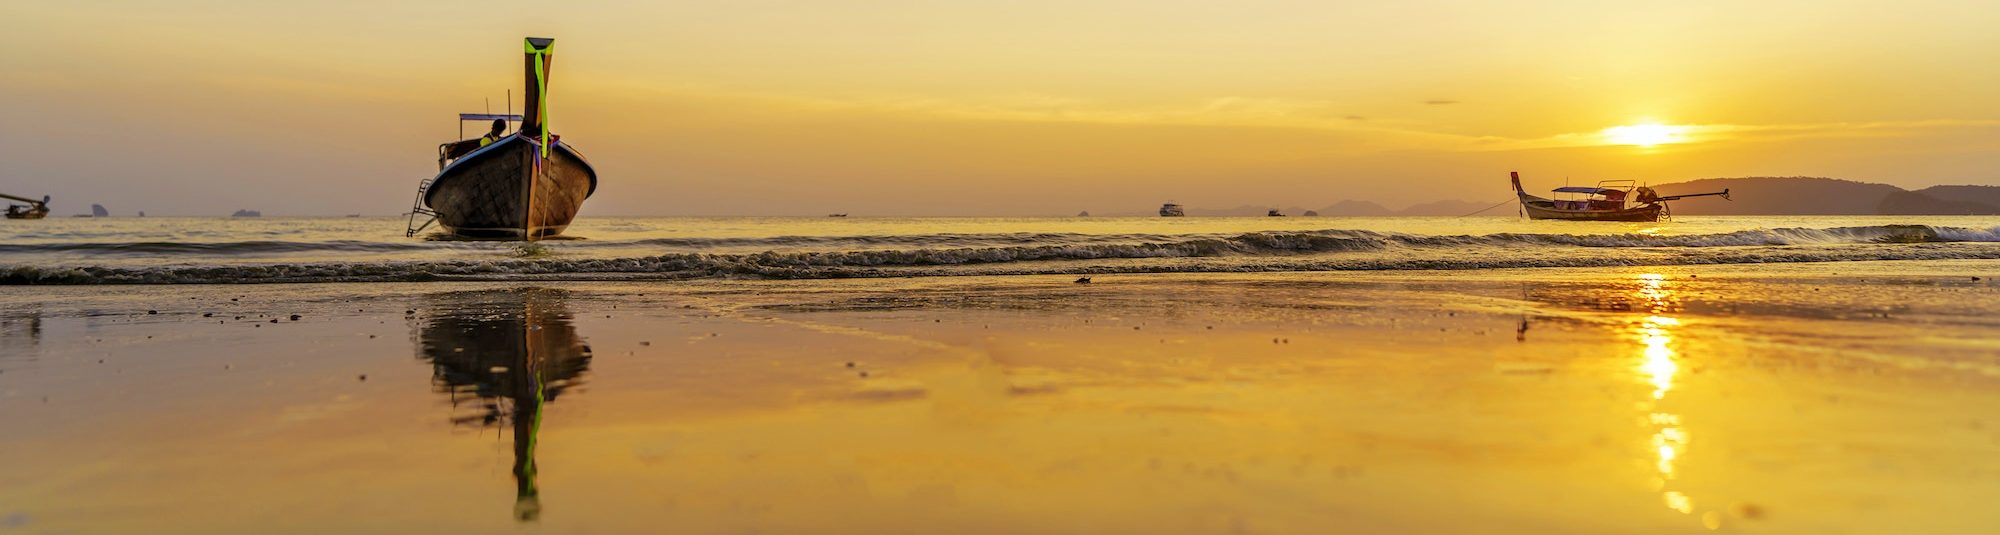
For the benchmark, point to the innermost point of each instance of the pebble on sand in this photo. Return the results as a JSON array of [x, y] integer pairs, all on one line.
[[1747, 511], [152, 312], [295, 317], [363, 377]]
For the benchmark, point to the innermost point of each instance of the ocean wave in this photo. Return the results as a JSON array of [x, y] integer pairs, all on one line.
[[1191, 256], [1267, 242], [216, 248]]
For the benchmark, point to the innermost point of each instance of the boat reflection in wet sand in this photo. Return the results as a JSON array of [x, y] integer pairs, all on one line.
[[1605, 202], [526, 185], [501, 356]]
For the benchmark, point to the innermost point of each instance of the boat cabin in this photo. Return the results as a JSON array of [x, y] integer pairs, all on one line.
[[453, 150], [1608, 195]]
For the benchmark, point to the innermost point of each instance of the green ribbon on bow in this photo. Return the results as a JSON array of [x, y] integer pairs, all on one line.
[[541, 87]]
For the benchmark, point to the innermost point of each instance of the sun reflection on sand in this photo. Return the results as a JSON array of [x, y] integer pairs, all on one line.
[[1658, 365]]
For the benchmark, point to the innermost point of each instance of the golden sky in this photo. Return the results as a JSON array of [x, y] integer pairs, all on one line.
[[992, 108]]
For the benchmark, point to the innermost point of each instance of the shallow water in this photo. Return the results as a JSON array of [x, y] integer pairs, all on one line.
[[1851, 397], [211, 250]]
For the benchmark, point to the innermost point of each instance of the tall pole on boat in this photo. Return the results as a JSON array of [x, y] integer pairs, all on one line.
[[1520, 209], [539, 54]]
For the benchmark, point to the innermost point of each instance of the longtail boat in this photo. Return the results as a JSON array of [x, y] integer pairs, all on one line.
[[1610, 200], [33, 210], [526, 185]]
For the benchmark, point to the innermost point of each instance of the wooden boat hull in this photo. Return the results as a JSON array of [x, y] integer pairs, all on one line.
[[500, 191], [1540, 208], [28, 215]]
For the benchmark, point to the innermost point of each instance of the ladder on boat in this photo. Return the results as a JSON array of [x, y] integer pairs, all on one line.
[[417, 209]]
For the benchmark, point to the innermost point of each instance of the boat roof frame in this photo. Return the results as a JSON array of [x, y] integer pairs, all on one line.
[[1603, 186]]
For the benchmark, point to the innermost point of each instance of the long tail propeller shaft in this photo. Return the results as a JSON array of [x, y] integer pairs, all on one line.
[[1723, 194]]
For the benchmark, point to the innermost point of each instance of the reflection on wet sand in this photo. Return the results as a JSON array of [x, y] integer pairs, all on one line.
[[502, 355], [20, 334], [1658, 365]]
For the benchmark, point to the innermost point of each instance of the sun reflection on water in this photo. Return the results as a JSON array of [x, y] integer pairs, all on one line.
[[1658, 365]]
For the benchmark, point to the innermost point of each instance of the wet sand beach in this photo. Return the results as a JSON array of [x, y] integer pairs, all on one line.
[[1853, 397]]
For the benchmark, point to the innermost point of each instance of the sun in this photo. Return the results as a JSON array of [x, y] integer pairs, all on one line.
[[1644, 134]]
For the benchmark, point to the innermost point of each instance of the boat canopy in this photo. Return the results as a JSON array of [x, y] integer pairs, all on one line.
[[1586, 189], [487, 117]]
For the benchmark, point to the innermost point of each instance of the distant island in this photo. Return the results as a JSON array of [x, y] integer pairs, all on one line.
[[247, 213], [1828, 196], [1753, 196]]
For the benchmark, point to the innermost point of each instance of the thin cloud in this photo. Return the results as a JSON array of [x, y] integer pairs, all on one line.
[[1366, 133], [1694, 134]]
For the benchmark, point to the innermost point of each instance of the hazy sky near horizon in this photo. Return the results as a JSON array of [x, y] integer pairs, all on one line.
[[1021, 107]]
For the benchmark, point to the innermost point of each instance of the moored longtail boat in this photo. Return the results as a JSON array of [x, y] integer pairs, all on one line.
[[1608, 201], [526, 185]]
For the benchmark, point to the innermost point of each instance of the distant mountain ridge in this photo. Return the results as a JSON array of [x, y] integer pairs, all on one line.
[[1829, 196], [1348, 208], [1750, 196]]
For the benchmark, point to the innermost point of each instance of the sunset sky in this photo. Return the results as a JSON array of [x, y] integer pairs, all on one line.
[[1019, 107]]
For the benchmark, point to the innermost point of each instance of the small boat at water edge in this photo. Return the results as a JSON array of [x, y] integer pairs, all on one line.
[[1171, 210], [32, 210], [1274, 213], [524, 185], [1605, 202]]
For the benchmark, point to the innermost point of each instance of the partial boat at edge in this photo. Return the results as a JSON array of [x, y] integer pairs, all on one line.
[[33, 210]]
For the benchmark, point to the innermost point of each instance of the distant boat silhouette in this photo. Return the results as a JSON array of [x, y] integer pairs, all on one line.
[[1171, 210], [1274, 213], [247, 213]]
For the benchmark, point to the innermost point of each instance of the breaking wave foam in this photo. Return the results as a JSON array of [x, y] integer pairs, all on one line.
[[998, 254]]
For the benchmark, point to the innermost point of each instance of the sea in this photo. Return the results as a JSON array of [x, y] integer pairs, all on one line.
[[170, 250]]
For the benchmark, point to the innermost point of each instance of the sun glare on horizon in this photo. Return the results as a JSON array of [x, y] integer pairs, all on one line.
[[1644, 134]]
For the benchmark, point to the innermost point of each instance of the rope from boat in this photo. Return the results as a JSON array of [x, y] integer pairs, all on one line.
[[1495, 205]]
